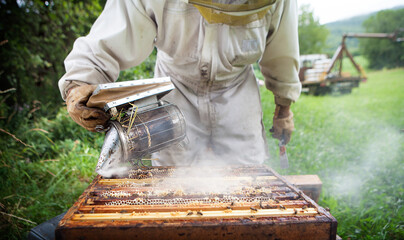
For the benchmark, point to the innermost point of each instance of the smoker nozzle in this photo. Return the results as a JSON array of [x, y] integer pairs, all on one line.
[[111, 152]]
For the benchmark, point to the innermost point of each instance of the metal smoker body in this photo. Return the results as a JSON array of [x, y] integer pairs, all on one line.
[[141, 125]]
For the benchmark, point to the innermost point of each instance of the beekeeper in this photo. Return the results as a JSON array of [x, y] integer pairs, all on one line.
[[207, 48]]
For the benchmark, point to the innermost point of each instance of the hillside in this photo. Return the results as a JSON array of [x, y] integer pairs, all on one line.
[[350, 25], [338, 28]]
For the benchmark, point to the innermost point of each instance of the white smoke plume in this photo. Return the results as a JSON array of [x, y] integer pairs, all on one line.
[[382, 148]]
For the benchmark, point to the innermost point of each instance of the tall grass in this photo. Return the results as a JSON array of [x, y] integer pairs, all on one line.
[[42, 178], [354, 142]]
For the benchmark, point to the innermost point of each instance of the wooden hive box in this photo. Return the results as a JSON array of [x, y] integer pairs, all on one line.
[[157, 203]]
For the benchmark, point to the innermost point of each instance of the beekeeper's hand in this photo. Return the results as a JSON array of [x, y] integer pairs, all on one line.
[[89, 118], [283, 125]]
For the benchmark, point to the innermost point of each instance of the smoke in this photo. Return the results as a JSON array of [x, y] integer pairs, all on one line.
[[114, 171], [208, 172], [380, 151], [202, 180]]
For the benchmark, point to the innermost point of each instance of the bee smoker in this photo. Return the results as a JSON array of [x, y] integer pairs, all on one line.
[[140, 124]]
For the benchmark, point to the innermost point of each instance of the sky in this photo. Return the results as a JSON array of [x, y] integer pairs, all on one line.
[[332, 10]]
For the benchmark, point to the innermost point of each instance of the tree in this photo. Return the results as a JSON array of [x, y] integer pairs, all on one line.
[[312, 35], [35, 37], [384, 52]]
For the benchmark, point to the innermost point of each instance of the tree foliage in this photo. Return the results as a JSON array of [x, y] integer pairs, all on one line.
[[35, 37], [339, 28], [312, 35], [384, 52]]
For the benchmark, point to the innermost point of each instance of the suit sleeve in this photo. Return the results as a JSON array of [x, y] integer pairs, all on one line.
[[122, 37], [279, 63]]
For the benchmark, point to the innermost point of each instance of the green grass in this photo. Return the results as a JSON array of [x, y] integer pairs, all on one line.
[[347, 65], [43, 179], [354, 142]]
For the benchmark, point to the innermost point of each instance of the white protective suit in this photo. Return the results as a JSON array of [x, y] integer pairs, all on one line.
[[209, 64]]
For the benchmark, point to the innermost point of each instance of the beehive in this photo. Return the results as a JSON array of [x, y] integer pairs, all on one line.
[[247, 202]]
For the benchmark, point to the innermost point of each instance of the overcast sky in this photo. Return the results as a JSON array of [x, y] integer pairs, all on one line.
[[333, 10]]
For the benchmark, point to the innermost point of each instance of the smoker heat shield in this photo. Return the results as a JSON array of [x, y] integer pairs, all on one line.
[[247, 202], [137, 132], [119, 94]]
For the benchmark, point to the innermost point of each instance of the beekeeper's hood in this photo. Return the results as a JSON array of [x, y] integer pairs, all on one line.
[[232, 12]]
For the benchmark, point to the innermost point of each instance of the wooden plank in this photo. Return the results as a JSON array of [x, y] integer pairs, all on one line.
[[157, 180], [192, 207], [248, 228], [310, 184], [195, 215]]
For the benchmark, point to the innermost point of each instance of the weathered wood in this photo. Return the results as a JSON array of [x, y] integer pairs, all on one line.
[[271, 228], [195, 215], [310, 184], [191, 207], [287, 213], [156, 180]]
